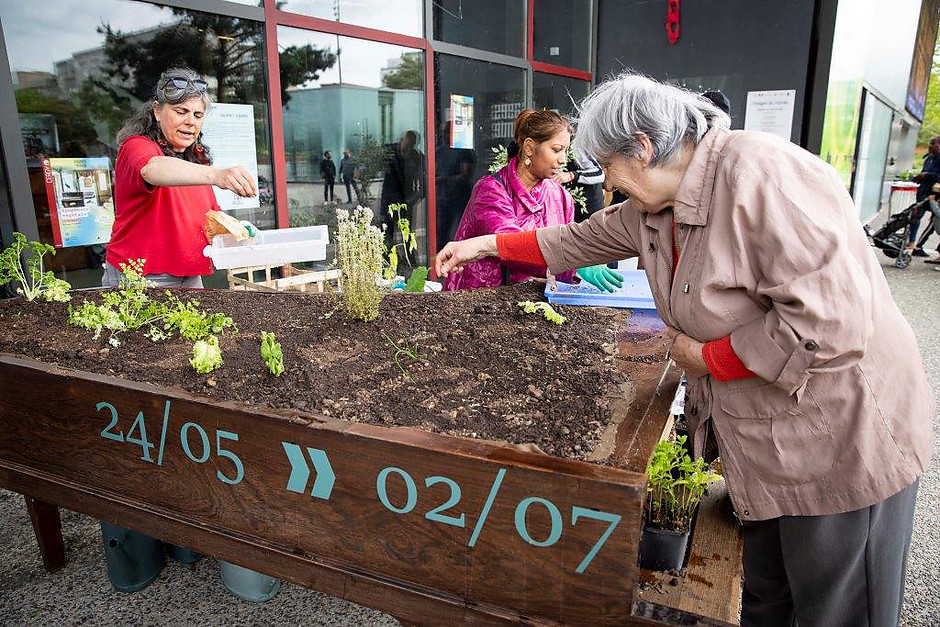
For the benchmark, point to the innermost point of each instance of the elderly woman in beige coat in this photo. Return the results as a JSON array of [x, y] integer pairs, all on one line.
[[801, 367]]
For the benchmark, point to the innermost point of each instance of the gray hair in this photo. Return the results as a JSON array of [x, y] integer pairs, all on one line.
[[622, 110], [144, 123]]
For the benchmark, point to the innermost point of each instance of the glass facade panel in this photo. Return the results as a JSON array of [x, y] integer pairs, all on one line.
[[97, 63], [405, 17], [563, 33], [364, 97], [497, 25], [558, 92], [475, 111]]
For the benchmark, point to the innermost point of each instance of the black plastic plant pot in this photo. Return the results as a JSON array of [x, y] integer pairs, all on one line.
[[661, 549]]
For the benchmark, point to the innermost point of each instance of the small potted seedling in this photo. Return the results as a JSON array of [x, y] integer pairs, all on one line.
[[675, 486]]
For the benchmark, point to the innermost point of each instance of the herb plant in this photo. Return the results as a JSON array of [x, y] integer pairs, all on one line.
[[271, 354], [360, 256], [550, 314], [207, 356], [32, 278], [675, 485], [193, 324]]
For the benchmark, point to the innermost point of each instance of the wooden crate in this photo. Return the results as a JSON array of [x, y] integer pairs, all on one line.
[[433, 529], [292, 278]]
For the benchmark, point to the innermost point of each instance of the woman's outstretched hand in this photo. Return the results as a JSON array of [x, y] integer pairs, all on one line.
[[687, 353], [236, 179], [455, 255]]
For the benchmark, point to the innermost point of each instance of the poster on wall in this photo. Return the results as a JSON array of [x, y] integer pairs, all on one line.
[[461, 121], [81, 200], [229, 132], [770, 111]]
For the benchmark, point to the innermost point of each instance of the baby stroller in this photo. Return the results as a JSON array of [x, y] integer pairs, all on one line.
[[892, 237]]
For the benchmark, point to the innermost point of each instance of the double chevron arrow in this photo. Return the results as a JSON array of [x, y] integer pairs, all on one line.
[[300, 471]]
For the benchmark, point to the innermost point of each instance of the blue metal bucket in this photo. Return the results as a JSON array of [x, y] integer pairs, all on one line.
[[181, 555], [247, 584], [134, 560]]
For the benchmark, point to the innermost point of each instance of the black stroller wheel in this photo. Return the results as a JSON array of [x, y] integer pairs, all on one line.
[[903, 261]]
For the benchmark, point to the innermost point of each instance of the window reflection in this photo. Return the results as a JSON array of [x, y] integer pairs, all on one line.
[[561, 93], [496, 25], [563, 33], [401, 16], [475, 111], [363, 102], [98, 62]]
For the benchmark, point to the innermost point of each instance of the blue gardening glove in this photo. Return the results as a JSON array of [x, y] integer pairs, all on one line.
[[601, 277], [251, 228]]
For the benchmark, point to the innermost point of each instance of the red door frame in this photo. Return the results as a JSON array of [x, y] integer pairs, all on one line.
[[274, 17]]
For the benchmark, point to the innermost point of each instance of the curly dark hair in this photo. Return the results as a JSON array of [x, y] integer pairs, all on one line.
[[144, 123]]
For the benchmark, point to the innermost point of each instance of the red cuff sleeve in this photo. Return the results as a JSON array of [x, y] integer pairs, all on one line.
[[522, 247], [723, 362]]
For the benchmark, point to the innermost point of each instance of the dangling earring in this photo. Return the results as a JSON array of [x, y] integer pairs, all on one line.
[[527, 162], [198, 149]]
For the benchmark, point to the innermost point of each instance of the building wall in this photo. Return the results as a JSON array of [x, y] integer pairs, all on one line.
[[734, 46]]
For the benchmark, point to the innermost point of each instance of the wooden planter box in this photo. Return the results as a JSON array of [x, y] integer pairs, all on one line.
[[430, 528]]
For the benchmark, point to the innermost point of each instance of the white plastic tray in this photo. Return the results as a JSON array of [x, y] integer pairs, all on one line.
[[276, 246]]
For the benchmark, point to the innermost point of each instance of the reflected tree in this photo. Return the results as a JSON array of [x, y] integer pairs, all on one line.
[[409, 75]]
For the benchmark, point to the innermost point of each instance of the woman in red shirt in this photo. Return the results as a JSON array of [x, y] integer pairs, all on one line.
[[163, 186]]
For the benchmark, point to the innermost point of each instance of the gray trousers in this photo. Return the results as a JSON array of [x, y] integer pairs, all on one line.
[[839, 569], [112, 278]]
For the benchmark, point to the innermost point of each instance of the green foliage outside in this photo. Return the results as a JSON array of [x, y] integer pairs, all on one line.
[[931, 126], [675, 485], [370, 161], [31, 278], [409, 75]]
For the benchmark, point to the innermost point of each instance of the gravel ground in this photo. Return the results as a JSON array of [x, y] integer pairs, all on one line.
[[917, 292], [81, 594]]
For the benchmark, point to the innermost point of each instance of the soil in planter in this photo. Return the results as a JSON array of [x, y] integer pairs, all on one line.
[[485, 369]]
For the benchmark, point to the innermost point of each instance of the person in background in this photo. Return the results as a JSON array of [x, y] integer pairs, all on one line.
[[347, 173], [163, 179], [403, 181], [925, 179], [801, 368], [521, 196], [328, 172], [719, 100], [586, 174], [454, 173]]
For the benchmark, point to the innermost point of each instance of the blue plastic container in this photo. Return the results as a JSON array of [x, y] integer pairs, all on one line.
[[247, 584], [134, 560], [633, 294]]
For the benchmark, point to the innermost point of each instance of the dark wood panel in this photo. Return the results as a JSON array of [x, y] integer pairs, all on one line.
[[52, 424]]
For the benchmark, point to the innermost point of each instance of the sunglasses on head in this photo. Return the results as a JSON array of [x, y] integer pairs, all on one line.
[[181, 83]]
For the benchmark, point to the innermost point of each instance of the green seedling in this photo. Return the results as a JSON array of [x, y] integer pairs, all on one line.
[[411, 352], [32, 279], [550, 314], [675, 485], [271, 354]]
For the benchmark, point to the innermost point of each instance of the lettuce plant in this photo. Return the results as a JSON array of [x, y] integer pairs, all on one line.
[[550, 314], [207, 356], [271, 354]]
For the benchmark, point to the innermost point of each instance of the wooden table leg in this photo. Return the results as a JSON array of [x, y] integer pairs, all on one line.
[[48, 529]]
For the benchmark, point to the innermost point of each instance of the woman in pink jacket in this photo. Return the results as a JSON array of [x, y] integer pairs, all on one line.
[[524, 196]]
